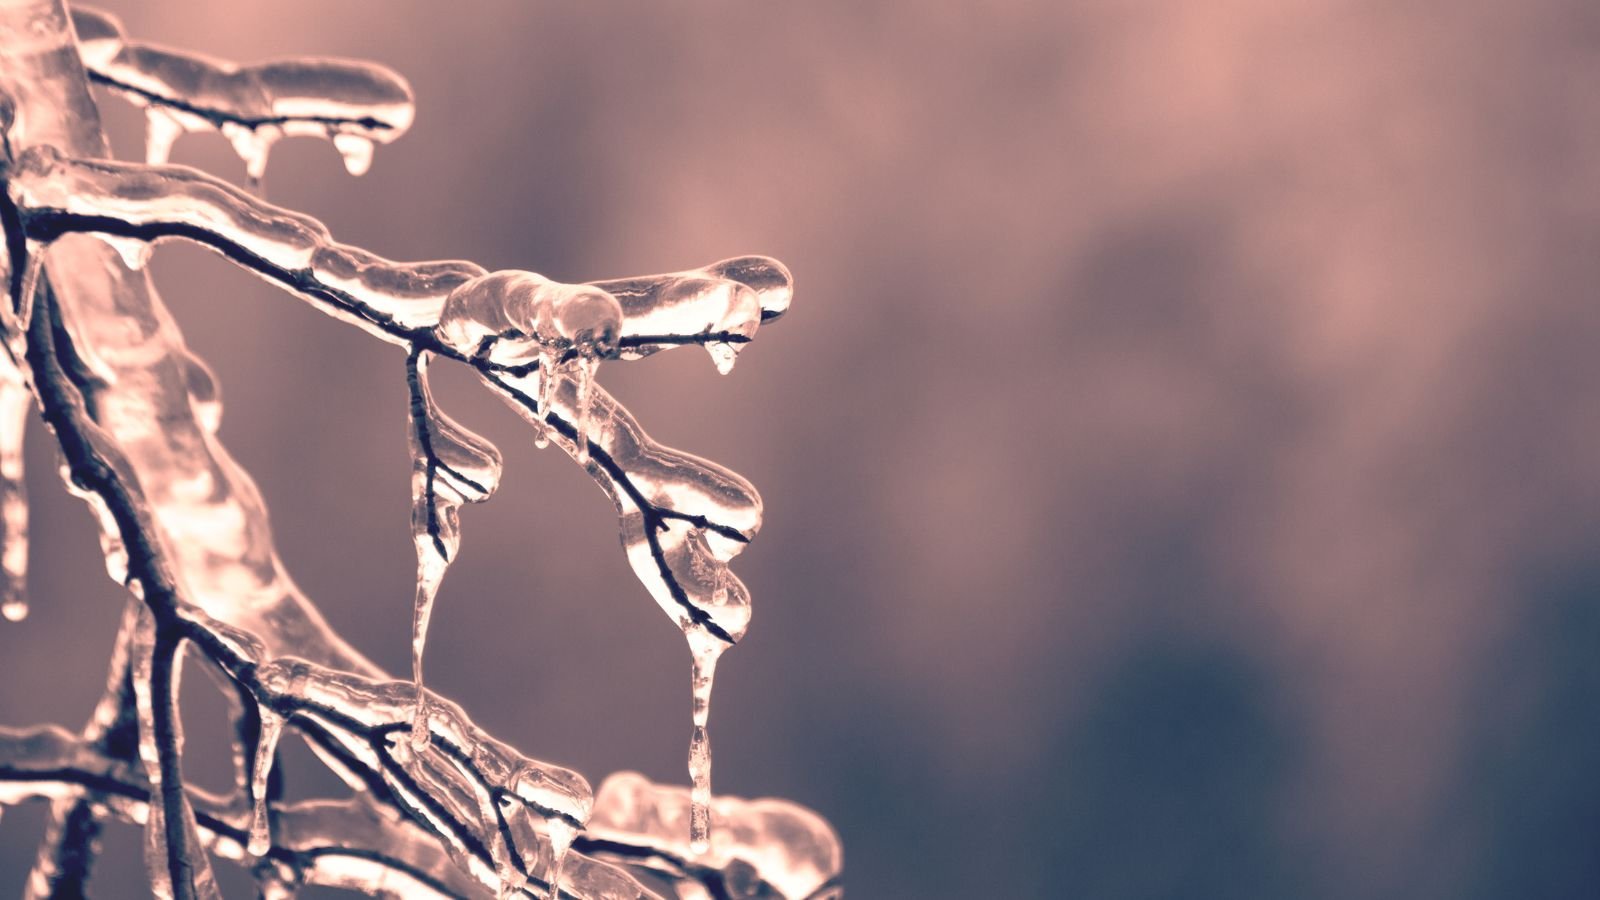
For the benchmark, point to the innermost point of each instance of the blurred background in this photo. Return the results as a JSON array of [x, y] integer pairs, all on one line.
[[1181, 467]]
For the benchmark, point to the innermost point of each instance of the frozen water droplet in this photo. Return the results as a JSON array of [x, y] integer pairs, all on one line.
[[561, 836], [356, 151], [723, 355], [14, 608], [134, 252], [252, 145], [161, 131], [266, 749]]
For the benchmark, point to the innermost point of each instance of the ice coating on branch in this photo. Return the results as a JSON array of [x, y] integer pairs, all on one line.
[[512, 318], [148, 202], [681, 518], [718, 307], [387, 707], [784, 844], [721, 305], [355, 104], [148, 697], [450, 466], [15, 402]]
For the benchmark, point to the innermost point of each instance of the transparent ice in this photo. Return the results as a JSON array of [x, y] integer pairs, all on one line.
[[437, 806]]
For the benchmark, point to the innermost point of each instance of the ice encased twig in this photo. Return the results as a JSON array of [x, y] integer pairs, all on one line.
[[354, 104], [682, 518]]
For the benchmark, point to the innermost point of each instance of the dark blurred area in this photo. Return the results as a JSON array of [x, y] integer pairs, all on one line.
[[1181, 466]]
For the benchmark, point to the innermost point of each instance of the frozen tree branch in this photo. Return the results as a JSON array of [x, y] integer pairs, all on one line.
[[438, 806]]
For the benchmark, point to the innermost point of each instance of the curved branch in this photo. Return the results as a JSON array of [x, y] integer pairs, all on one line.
[[683, 518]]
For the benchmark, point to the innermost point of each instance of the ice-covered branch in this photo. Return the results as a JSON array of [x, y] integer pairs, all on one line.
[[332, 843], [683, 518], [439, 805], [354, 104], [358, 722]]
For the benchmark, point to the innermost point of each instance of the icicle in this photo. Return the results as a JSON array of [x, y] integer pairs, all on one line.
[[450, 466], [252, 144], [561, 837], [705, 650], [161, 131], [430, 572], [356, 152], [266, 750]]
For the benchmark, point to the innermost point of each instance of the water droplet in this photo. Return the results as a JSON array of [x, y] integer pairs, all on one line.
[[723, 355], [253, 146], [161, 131], [134, 252], [356, 151]]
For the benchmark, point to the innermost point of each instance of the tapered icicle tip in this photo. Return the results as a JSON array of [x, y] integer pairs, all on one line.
[[561, 837], [356, 151]]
